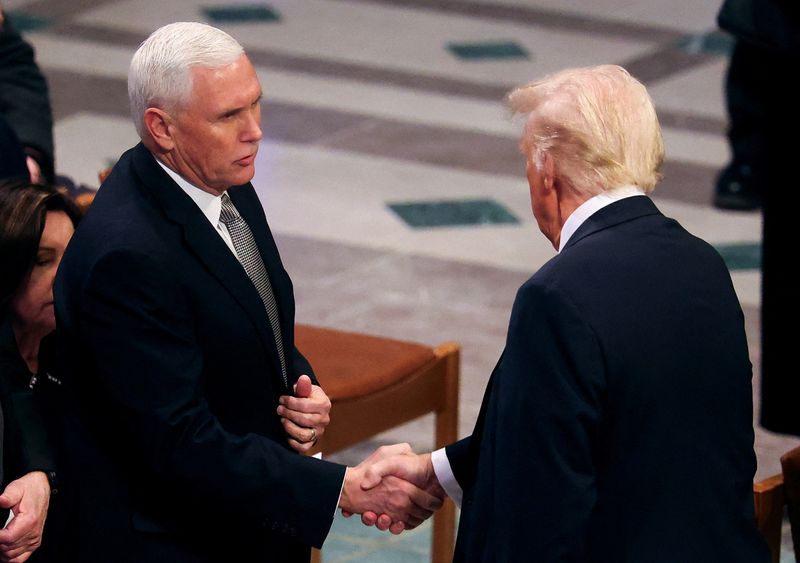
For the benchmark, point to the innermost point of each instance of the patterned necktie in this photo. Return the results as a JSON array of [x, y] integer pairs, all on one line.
[[249, 257]]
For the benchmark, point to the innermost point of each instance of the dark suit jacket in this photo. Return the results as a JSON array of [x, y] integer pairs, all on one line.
[[617, 425], [175, 377]]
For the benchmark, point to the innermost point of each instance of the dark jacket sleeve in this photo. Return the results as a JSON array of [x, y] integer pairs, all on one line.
[[24, 97]]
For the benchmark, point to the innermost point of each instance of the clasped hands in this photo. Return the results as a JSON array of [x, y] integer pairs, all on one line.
[[305, 415], [393, 489]]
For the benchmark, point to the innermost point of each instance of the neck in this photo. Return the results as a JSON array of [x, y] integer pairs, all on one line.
[[28, 341]]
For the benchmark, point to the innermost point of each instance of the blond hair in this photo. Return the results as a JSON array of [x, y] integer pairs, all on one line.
[[598, 124]]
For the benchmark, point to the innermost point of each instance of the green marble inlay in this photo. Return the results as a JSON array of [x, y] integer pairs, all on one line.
[[744, 256], [352, 542], [243, 13], [426, 214], [23, 22], [711, 43], [488, 50]]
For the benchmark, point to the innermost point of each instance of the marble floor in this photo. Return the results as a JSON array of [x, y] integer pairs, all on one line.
[[389, 170]]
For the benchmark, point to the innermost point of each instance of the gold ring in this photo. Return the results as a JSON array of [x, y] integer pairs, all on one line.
[[313, 436]]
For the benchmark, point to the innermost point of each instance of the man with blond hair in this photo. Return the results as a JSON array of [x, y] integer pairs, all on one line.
[[617, 425]]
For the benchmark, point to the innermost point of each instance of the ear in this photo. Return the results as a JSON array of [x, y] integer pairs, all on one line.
[[548, 171], [157, 123]]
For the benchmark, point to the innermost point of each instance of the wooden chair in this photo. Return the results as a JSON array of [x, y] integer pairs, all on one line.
[[378, 383], [768, 498], [771, 495]]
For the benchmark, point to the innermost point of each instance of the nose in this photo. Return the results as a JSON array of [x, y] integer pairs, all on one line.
[[252, 132]]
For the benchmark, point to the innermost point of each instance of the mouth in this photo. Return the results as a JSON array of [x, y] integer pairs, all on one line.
[[247, 160]]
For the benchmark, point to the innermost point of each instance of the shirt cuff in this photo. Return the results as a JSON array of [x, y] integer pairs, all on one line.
[[441, 466]]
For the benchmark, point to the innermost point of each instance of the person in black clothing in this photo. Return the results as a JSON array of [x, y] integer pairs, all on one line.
[[25, 102], [36, 222], [763, 136]]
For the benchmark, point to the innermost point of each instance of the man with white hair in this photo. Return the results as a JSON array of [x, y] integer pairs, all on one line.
[[189, 399], [617, 425]]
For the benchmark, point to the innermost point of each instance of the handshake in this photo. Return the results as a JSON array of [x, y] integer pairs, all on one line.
[[393, 489]]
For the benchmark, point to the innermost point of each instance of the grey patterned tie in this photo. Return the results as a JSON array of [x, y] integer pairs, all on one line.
[[246, 248]]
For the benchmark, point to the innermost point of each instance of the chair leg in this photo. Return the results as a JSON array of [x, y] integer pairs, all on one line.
[[446, 433], [768, 500]]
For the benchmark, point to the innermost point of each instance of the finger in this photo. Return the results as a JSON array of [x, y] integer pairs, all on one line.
[[391, 450], [397, 528], [301, 447], [381, 524], [16, 531], [303, 386], [346, 514], [384, 522], [302, 419], [318, 402], [11, 497], [424, 500], [301, 433], [19, 551], [369, 518]]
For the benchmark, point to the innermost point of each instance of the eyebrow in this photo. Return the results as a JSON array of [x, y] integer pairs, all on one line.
[[234, 111]]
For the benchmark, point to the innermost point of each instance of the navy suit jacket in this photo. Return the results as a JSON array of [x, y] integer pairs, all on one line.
[[617, 425], [167, 351]]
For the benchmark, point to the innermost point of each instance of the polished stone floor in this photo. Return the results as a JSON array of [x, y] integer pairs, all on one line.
[[389, 170]]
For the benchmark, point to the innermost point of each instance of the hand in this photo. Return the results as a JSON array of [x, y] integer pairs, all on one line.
[[304, 416], [28, 497], [407, 465], [34, 170], [403, 504]]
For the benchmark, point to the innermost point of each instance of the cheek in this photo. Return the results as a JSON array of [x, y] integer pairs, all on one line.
[[34, 296]]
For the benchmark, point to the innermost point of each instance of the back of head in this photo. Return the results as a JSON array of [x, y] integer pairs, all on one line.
[[598, 124], [23, 210], [160, 71]]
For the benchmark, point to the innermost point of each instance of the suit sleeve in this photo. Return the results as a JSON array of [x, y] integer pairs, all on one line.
[[539, 438], [24, 97], [138, 326]]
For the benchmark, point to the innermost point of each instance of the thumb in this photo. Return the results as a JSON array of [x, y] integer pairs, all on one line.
[[378, 470], [302, 388], [10, 497]]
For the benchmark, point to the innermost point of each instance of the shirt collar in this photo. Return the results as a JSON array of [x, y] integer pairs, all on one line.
[[592, 206], [209, 204]]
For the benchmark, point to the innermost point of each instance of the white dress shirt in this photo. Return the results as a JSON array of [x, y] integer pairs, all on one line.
[[209, 204], [441, 465]]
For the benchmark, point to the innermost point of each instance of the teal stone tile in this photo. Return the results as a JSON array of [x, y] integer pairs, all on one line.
[[241, 13], [351, 542], [428, 214], [489, 50], [23, 22], [710, 43], [745, 256]]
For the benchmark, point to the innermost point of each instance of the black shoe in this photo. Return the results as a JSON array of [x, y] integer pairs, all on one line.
[[737, 189]]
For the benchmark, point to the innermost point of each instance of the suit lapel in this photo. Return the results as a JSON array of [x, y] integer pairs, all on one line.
[[207, 246]]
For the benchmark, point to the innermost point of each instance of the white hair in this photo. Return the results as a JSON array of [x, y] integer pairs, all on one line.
[[160, 72], [599, 125]]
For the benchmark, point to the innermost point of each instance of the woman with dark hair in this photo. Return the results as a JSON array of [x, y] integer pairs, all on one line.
[[36, 223]]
